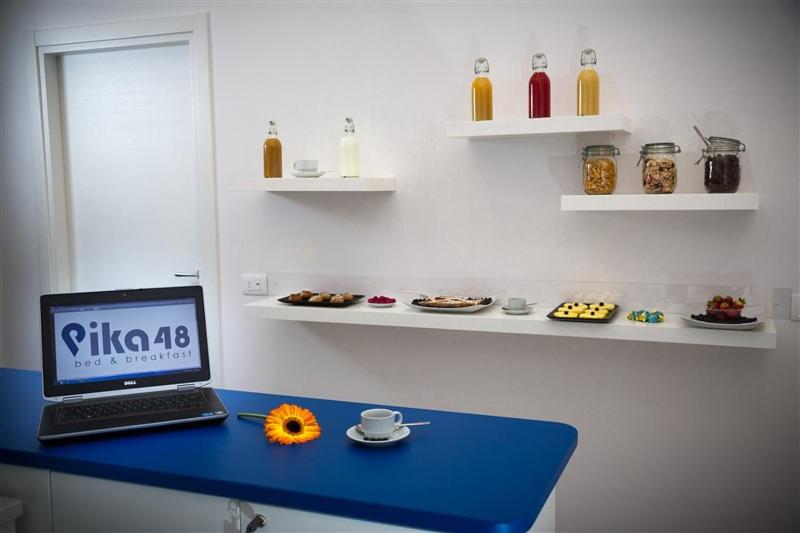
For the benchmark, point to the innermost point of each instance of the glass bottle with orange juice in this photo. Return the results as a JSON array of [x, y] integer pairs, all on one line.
[[588, 85], [481, 91], [273, 164]]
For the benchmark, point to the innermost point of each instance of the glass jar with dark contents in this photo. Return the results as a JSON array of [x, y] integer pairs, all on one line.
[[722, 171]]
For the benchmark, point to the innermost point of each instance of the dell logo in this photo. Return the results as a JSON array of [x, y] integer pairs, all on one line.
[[129, 382]]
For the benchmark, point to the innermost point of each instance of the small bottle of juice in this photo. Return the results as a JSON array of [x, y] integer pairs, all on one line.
[[348, 151], [588, 85], [481, 91], [539, 89], [273, 165]]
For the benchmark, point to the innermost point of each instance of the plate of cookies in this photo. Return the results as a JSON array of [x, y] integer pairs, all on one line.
[[584, 312], [321, 299], [451, 304]]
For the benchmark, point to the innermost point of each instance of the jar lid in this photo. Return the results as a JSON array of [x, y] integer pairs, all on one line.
[[600, 149], [661, 148], [725, 144]]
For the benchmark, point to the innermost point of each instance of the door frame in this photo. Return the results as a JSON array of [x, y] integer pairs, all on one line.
[[48, 45]]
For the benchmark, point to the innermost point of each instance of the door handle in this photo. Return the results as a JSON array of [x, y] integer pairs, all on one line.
[[256, 523], [182, 275]]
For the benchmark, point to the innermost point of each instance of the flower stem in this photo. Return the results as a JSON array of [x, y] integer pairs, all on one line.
[[250, 415]]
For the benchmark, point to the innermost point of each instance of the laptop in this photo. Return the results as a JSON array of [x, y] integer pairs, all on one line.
[[124, 360]]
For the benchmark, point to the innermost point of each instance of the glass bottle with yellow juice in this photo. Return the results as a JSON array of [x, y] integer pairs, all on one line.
[[273, 163], [481, 91], [588, 85]]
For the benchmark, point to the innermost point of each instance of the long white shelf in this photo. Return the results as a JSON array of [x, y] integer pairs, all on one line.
[[314, 184], [672, 330], [741, 201], [529, 127]]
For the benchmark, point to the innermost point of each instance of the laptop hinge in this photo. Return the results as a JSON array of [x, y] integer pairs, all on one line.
[[188, 386], [72, 399]]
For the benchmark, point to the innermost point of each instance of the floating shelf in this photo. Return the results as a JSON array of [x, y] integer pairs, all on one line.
[[660, 202], [314, 184], [531, 127], [673, 330]]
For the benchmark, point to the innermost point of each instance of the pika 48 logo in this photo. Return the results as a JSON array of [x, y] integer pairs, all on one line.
[[119, 346], [136, 340]]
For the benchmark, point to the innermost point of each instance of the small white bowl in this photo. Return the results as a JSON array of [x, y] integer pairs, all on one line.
[[381, 305]]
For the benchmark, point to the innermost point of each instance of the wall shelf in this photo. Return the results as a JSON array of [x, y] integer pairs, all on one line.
[[314, 184], [673, 330], [532, 127], [660, 202]]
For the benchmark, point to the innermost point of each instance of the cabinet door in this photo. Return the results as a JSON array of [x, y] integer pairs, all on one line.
[[87, 505], [32, 486], [291, 520]]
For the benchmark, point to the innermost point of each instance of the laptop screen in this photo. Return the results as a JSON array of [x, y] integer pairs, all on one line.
[[125, 340], [119, 340]]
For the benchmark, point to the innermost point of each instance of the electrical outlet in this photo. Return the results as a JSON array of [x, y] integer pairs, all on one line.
[[254, 284], [795, 307]]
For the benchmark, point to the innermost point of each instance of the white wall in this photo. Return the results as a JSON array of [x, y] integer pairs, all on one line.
[[671, 437]]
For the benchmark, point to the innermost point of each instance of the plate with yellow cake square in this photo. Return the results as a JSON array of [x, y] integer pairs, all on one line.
[[593, 313]]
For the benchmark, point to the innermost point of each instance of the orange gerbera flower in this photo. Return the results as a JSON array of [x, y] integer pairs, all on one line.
[[291, 423], [288, 423]]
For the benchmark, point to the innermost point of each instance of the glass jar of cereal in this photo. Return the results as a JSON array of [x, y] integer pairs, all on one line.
[[660, 170], [600, 168]]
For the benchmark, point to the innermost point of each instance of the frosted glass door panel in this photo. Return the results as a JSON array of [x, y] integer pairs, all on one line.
[[130, 166]]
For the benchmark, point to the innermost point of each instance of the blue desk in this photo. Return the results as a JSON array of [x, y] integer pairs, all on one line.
[[464, 472]]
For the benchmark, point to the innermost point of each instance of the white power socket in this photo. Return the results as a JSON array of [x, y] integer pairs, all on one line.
[[254, 284]]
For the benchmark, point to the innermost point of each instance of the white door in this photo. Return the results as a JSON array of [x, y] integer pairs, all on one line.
[[129, 157], [126, 111]]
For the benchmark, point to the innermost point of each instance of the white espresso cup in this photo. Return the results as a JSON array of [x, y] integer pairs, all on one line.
[[517, 303], [380, 423], [305, 165]]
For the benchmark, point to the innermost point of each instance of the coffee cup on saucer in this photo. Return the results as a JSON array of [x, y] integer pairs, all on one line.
[[517, 306], [380, 423], [306, 165]]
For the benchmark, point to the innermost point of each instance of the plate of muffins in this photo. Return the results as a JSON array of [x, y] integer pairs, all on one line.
[[321, 299]]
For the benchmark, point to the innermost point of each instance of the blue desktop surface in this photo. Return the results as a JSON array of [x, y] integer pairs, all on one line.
[[463, 472]]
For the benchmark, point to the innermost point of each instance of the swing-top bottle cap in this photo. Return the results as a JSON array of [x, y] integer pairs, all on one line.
[[539, 61], [481, 65], [349, 127], [588, 57], [273, 129]]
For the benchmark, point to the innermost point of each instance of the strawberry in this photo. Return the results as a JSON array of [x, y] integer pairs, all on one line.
[[725, 305], [717, 299]]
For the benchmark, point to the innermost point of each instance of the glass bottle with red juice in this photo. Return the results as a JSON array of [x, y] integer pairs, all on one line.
[[539, 89]]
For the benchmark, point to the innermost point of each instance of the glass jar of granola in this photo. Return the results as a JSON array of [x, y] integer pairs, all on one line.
[[600, 168], [659, 168]]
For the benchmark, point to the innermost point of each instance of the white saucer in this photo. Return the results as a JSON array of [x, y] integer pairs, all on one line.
[[381, 305], [399, 434], [308, 173], [525, 311]]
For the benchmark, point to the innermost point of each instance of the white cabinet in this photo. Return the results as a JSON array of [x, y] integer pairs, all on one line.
[[32, 486], [64, 503], [291, 520], [86, 505]]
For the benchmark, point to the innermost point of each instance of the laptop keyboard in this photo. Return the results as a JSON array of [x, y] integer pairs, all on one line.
[[178, 401]]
